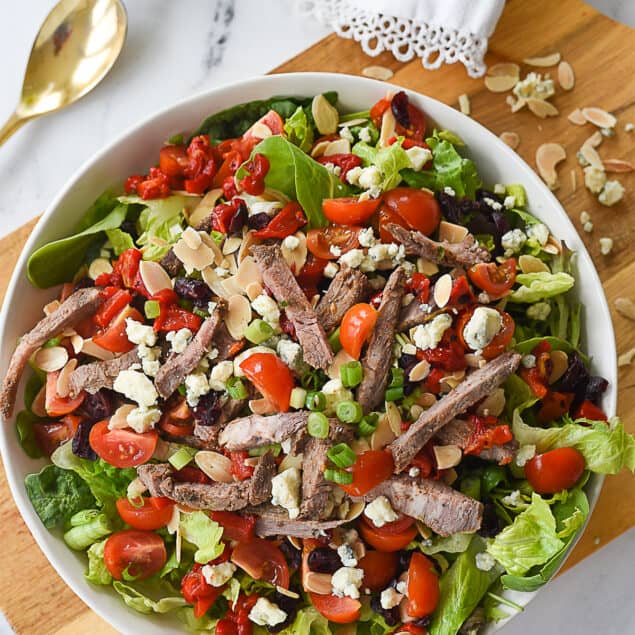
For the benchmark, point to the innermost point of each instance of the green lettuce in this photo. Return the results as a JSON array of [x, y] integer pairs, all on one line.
[[389, 160], [307, 622], [57, 494], [530, 540], [200, 530], [143, 603], [299, 129], [540, 285], [606, 448], [462, 587], [120, 240], [87, 527], [97, 572], [299, 177], [24, 422], [456, 543]]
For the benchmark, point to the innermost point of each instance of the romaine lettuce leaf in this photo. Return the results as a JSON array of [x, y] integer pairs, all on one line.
[[540, 285], [308, 622], [87, 527], [200, 530], [143, 604], [97, 572], [606, 448], [120, 240], [389, 160], [299, 129]]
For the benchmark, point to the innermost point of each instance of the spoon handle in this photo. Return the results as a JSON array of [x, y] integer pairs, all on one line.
[[14, 123]]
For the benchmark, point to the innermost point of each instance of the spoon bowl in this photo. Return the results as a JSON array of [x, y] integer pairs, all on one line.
[[77, 45]]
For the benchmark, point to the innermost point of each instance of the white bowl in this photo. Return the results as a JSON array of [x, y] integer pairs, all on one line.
[[136, 149]]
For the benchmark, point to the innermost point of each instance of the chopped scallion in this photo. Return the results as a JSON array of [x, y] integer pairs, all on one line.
[[181, 457], [54, 341], [351, 374], [334, 340], [236, 388], [316, 400], [258, 331], [317, 425], [217, 237], [338, 476], [396, 377], [349, 412], [394, 394], [368, 425], [274, 448], [152, 309], [342, 455], [298, 398]]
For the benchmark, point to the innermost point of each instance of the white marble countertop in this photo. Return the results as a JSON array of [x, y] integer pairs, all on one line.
[[175, 49]]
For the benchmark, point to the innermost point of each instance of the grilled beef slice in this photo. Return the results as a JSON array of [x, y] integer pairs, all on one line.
[[464, 254], [78, 306], [460, 432], [347, 288], [279, 279], [274, 521], [445, 510], [97, 375], [211, 496], [177, 367], [207, 435], [377, 360], [476, 386]]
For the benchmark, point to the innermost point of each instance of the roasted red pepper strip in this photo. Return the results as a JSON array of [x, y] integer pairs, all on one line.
[[239, 469], [284, 223], [235, 527], [419, 285], [588, 410], [344, 161], [254, 182], [487, 434], [112, 306], [536, 382]]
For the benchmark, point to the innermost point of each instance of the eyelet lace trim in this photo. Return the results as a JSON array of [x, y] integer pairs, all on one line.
[[403, 37]]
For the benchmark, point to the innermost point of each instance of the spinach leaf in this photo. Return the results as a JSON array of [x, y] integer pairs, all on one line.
[[235, 121], [299, 177], [557, 344], [57, 262], [57, 494], [24, 427], [120, 240], [299, 130]]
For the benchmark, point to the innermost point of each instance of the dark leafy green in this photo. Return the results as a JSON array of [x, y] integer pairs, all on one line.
[[299, 130], [24, 428]]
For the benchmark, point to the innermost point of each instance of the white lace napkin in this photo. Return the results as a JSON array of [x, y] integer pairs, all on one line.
[[437, 31]]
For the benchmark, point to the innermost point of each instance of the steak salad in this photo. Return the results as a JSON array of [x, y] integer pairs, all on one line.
[[307, 371]]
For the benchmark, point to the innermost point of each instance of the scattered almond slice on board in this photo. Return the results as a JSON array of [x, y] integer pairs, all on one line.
[[625, 359], [502, 77], [548, 155], [511, 139], [618, 165], [542, 108], [566, 76], [594, 140], [576, 117], [377, 72], [599, 117], [545, 61], [625, 307]]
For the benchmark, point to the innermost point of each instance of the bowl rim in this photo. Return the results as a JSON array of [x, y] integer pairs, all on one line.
[[36, 528]]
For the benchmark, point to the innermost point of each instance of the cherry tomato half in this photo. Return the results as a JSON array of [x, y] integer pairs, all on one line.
[[154, 513], [342, 237], [272, 120], [55, 405], [391, 536], [417, 209], [139, 553], [500, 341], [339, 610], [262, 560], [423, 586], [120, 447], [371, 468], [356, 327], [114, 338], [495, 280], [271, 376], [197, 592], [349, 211], [380, 567], [50, 435], [555, 470]]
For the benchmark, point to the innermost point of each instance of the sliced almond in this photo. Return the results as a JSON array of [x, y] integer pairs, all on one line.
[[355, 510], [383, 435], [500, 83], [248, 273], [338, 146], [625, 359], [427, 399], [542, 108], [599, 117], [319, 149], [394, 417], [295, 257], [319, 583], [99, 266], [205, 206], [51, 358], [559, 364], [566, 76], [120, 417], [209, 242], [548, 155], [625, 307], [360, 445], [531, 264], [238, 315], [553, 246], [232, 286], [450, 476], [324, 114], [424, 531], [419, 371], [443, 290], [287, 593], [511, 139], [232, 245], [594, 140], [618, 165], [191, 238], [453, 380], [464, 104], [352, 122], [262, 406], [215, 465], [388, 127], [64, 379], [447, 456], [493, 405], [341, 358], [154, 276], [452, 233], [215, 283], [51, 307], [38, 406], [194, 259], [77, 342], [591, 156], [377, 72], [291, 460], [508, 69], [253, 290], [427, 267], [261, 130], [545, 61], [576, 117]]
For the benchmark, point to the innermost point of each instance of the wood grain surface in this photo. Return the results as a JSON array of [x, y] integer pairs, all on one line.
[[602, 52]]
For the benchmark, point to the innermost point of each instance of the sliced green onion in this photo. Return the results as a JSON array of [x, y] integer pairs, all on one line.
[[298, 398], [396, 377], [200, 312], [236, 388], [368, 425], [316, 400], [274, 448], [338, 476], [176, 140], [217, 237], [342, 455], [152, 309], [182, 390], [181, 457], [394, 394], [54, 341], [349, 411], [334, 340], [317, 425], [351, 374], [258, 331]]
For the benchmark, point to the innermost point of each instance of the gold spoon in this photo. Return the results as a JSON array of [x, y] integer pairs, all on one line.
[[74, 49]]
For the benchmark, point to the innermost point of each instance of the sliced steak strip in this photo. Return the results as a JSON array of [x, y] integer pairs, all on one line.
[[177, 367], [476, 386], [257, 430], [74, 309], [207, 435], [213, 496], [378, 357], [279, 279], [272, 521], [414, 314], [460, 432], [466, 254], [97, 375], [349, 287], [445, 510], [224, 343]]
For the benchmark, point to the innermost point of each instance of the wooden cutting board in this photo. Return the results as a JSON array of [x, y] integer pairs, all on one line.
[[34, 598]]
